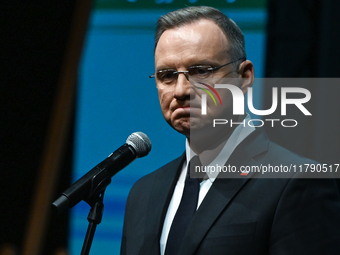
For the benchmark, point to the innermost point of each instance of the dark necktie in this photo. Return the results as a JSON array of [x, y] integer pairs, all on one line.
[[185, 211]]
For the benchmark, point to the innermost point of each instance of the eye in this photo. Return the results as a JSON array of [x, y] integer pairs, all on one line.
[[200, 71], [166, 76]]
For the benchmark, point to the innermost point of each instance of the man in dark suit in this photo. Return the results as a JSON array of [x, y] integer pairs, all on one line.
[[234, 212]]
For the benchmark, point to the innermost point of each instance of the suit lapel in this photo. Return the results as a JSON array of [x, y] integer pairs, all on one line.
[[160, 197], [223, 190]]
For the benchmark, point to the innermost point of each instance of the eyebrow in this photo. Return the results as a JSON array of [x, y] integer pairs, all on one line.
[[204, 62], [165, 68], [207, 62]]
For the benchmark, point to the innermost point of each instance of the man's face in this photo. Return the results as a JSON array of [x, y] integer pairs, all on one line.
[[196, 44]]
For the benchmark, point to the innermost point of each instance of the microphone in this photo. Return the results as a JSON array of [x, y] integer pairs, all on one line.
[[95, 181]]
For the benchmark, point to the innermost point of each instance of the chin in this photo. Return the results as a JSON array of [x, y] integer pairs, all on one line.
[[182, 126]]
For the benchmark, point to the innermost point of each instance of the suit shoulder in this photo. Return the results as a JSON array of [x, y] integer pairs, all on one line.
[[163, 171], [283, 155]]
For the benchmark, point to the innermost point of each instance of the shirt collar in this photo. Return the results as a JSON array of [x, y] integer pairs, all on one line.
[[238, 135]]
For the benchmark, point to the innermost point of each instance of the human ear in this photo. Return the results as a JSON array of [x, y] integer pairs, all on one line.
[[246, 73]]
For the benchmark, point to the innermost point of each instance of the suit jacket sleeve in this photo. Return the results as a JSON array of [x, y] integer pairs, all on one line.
[[307, 218]]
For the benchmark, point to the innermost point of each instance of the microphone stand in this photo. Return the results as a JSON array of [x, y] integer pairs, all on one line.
[[95, 200]]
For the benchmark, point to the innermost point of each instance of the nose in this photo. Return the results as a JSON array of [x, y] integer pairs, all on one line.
[[182, 87], [186, 74]]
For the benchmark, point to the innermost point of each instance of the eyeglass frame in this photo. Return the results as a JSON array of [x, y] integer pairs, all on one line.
[[209, 69]]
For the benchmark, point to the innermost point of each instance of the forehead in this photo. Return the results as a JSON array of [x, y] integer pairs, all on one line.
[[200, 40]]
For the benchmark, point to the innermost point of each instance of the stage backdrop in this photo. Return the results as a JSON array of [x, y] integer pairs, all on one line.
[[116, 98]]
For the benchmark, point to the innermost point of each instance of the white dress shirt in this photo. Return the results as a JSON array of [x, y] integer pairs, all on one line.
[[238, 135]]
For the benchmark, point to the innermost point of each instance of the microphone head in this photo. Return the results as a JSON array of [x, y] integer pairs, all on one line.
[[140, 142]]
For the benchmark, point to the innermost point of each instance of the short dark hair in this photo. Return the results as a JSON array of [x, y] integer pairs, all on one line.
[[194, 13]]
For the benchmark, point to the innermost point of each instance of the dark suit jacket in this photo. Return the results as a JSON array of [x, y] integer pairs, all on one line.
[[240, 215]]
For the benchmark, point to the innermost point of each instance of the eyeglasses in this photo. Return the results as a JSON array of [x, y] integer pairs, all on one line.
[[169, 76]]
